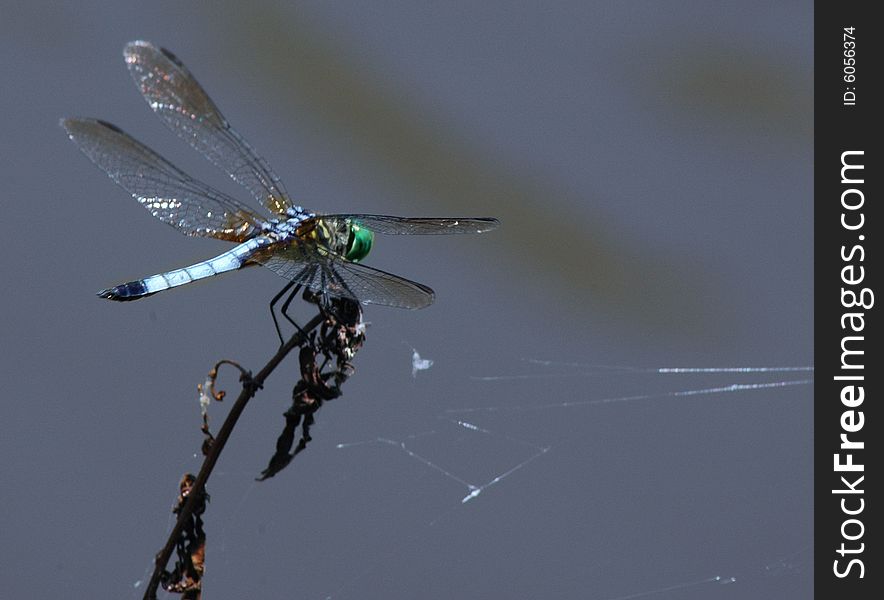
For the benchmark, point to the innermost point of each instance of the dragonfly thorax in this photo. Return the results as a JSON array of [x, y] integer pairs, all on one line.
[[338, 236]]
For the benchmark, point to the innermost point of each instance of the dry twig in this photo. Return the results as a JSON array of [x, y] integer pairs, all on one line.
[[194, 498]]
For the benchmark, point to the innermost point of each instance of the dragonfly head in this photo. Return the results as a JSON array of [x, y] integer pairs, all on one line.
[[359, 242]]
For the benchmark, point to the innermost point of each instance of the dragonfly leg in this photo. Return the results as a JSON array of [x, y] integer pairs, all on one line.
[[285, 310], [273, 302], [343, 310]]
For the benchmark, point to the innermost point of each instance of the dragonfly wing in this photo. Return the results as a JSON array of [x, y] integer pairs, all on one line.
[[174, 94], [304, 264], [168, 193], [421, 225]]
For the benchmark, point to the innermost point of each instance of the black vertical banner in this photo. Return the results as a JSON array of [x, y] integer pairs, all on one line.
[[848, 373]]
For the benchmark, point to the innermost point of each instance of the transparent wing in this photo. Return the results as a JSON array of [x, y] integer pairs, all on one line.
[[302, 263], [170, 194], [421, 225], [183, 105]]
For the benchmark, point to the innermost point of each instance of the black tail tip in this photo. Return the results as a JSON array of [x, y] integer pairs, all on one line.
[[125, 292], [112, 294]]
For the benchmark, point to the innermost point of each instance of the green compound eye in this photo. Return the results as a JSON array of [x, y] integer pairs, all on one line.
[[359, 243]]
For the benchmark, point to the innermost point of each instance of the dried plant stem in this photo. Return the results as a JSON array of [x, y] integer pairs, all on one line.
[[250, 385]]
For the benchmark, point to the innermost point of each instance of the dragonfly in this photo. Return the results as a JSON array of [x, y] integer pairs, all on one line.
[[322, 253]]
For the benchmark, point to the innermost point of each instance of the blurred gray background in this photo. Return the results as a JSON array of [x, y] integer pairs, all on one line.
[[651, 165]]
